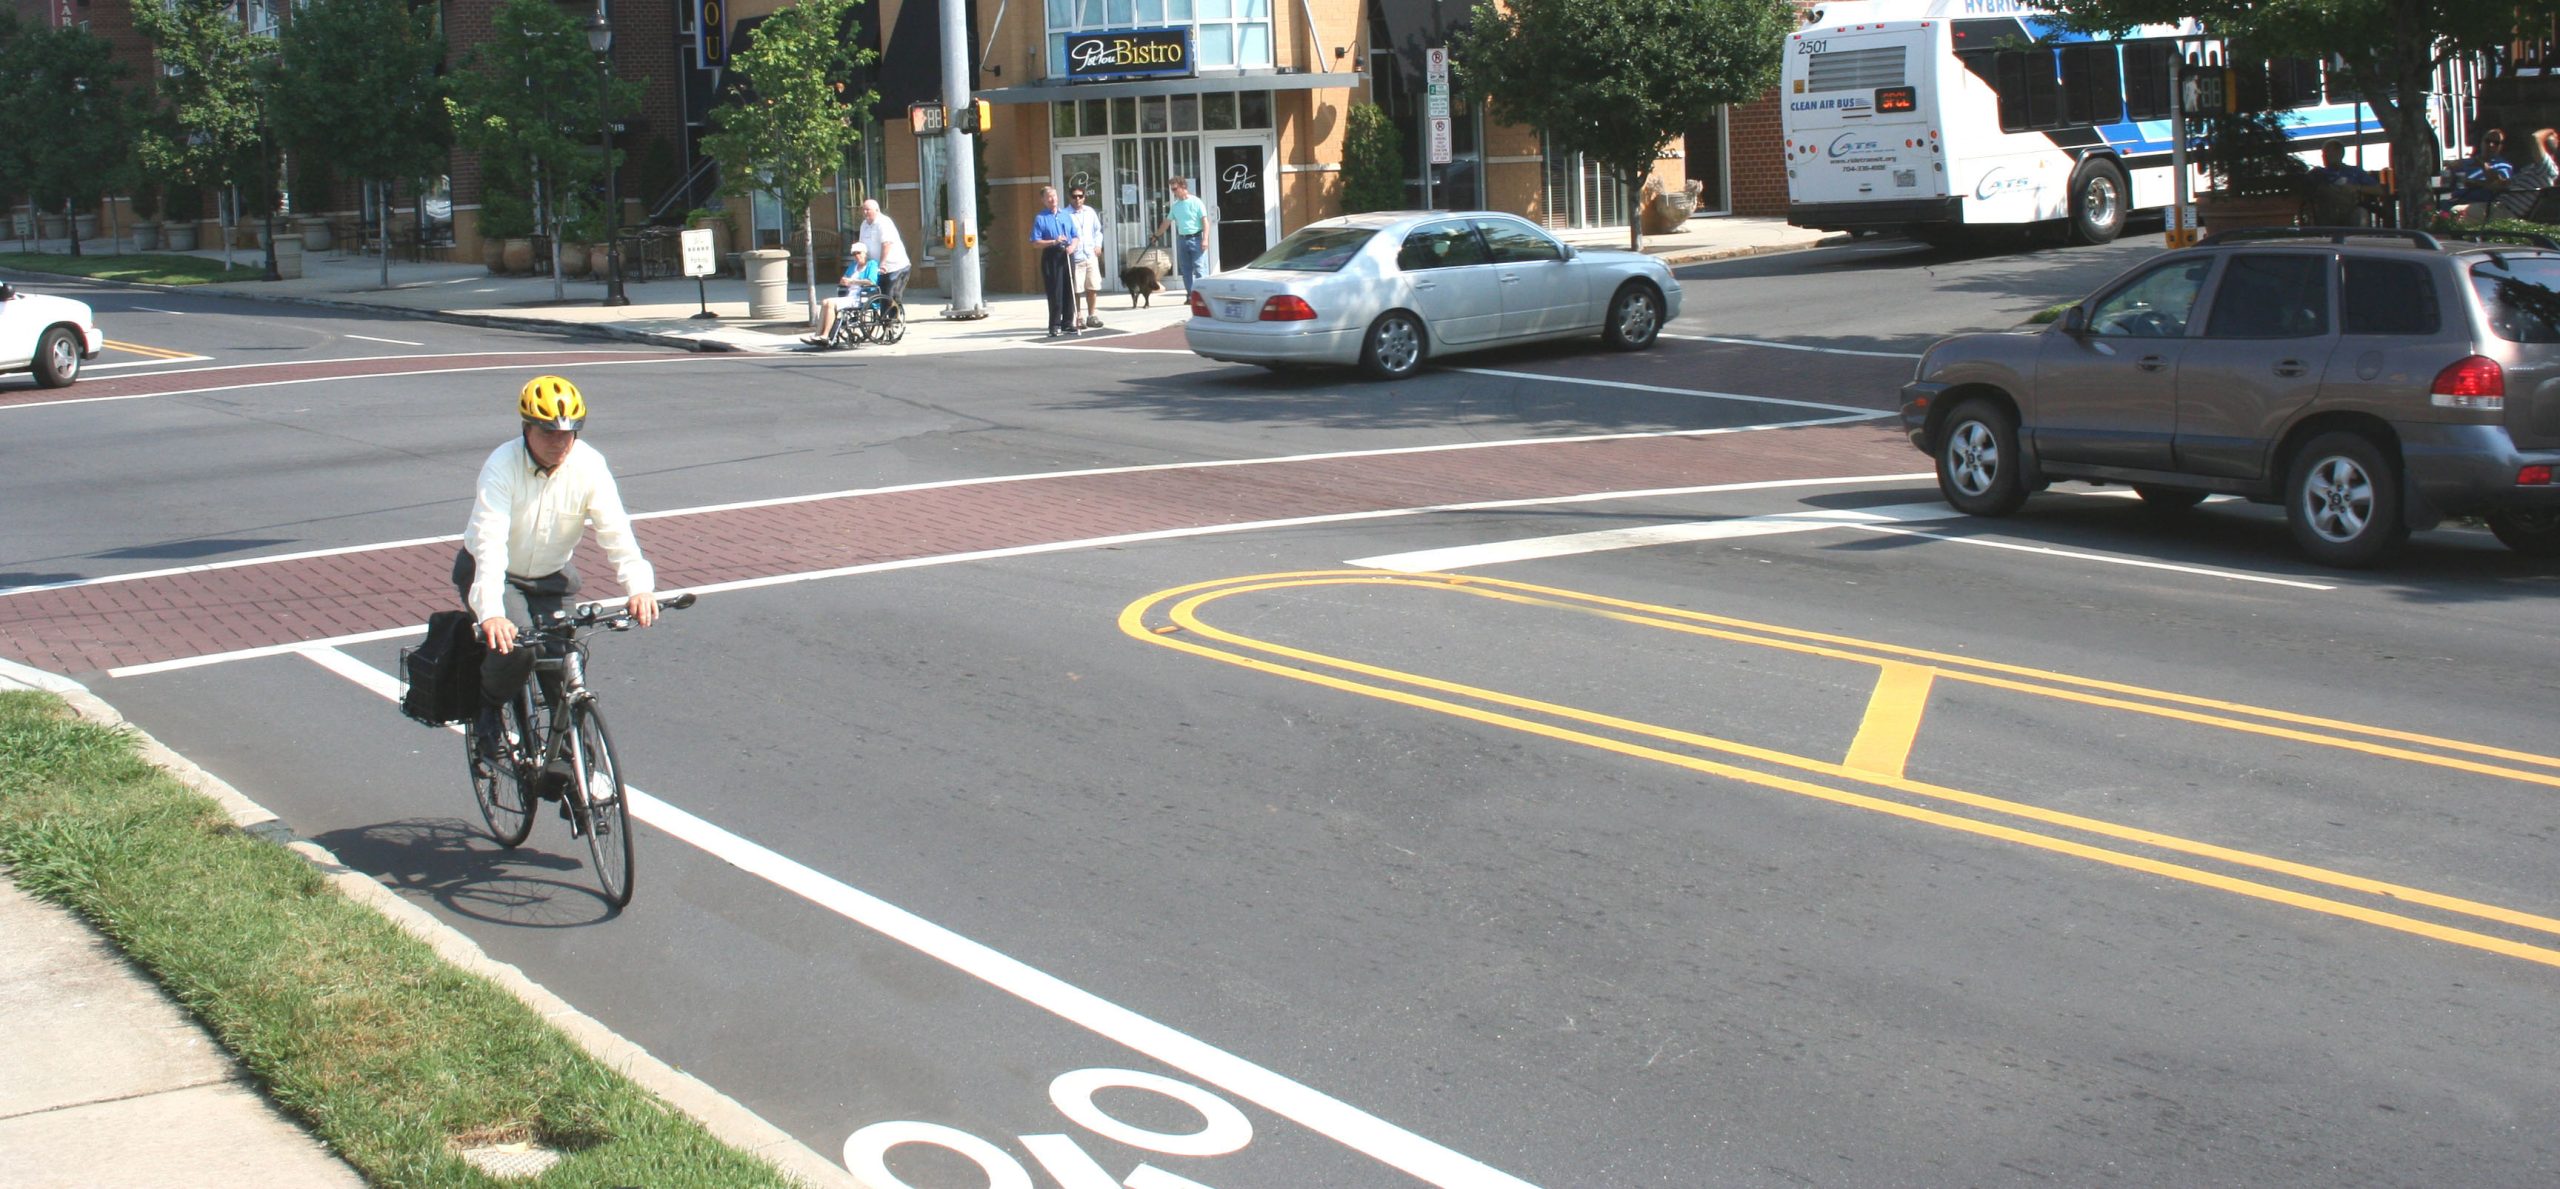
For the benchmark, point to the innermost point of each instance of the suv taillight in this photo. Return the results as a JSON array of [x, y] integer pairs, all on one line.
[[2472, 382], [1199, 305], [1288, 307]]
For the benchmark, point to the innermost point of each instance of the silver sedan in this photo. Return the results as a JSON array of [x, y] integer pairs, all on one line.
[[1388, 290]]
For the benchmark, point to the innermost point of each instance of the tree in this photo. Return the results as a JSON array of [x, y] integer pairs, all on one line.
[[1372, 162], [207, 129], [529, 103], [64, 81], [357, 88], [1619, 80], [788, 130], [2391, 49]]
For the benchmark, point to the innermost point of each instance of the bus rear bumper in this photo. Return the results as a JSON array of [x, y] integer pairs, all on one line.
[[1885, 213]]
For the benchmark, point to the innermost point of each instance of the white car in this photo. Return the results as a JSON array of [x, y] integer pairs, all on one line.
[[49, 336], [1390, 289]]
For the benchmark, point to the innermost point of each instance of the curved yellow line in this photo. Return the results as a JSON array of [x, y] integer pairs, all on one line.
[[1184, 615]]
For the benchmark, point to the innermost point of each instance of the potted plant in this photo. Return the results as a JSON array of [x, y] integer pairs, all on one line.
[[2255, 179], [146, 216], [506, 219], [185, 206]]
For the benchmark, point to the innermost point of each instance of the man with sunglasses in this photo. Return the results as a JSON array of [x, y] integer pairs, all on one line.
[[1085, 264]]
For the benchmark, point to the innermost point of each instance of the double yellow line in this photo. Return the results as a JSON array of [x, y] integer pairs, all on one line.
[[152, 352], [1173, 619]]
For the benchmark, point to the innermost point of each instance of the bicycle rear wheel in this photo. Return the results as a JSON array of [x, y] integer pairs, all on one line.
[[600, 804], [504, 803]]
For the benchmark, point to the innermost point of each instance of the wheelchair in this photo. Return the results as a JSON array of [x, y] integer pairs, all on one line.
[[876, 318]]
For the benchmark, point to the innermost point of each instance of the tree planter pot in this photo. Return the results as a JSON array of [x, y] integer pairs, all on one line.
[[288, 257], [573, 260], [600, 262], [493, 253], [53, 227], [146, 235], [86, 225], [518, 255], [316, 236], [178, 237]]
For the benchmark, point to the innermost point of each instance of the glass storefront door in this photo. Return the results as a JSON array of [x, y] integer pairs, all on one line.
[[1242, 201]]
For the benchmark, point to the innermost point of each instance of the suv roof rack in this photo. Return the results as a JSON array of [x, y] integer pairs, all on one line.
[[2486, 236], [2335, 235]]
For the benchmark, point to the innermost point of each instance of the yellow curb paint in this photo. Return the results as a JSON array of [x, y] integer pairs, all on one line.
[[1892, 723], [1184, 612]]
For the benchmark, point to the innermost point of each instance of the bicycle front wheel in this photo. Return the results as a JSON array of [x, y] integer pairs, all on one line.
[[499, 787], [601, 803]]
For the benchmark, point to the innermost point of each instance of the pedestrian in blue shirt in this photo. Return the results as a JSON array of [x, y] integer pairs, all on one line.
[[1055, 231], [1188, 219]]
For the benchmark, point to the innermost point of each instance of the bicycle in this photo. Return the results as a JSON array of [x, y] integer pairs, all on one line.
[[557, 748]]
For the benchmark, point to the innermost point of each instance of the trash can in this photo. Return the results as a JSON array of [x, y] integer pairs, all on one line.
[[769, 284], [289, 257]]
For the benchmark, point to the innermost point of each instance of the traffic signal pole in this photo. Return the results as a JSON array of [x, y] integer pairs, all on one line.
[[960, 166]]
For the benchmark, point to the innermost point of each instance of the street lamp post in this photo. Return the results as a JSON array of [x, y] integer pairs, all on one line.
[[600, 39]]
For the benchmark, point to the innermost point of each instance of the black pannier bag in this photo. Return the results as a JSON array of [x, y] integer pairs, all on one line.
[[443, 671]]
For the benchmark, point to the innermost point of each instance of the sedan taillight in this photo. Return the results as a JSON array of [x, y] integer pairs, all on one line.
[[1199, 305], [2473, 382], [1288, 307]]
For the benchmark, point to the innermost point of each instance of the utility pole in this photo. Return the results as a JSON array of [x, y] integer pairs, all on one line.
[[960, 165]]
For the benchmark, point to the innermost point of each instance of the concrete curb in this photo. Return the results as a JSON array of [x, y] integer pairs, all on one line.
[[723, 1117]]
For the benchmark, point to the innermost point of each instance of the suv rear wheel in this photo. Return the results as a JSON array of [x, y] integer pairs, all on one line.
[[2342, 500], [2532, 533], [1978, 460]]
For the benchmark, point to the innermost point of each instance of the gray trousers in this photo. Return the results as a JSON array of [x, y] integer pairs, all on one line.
[[501, 675]]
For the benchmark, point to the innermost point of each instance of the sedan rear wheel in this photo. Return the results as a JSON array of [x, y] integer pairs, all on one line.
[[1635, 318], [58, 357], [1394, 349]]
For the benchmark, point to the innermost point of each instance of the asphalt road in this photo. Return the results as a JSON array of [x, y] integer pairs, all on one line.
[[1741, 817]]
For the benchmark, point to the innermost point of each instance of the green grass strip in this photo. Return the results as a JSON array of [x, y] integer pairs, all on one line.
[[390, 1055], [151, 268]]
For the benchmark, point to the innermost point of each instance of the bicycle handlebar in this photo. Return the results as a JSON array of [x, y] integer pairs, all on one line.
[[609, 615]]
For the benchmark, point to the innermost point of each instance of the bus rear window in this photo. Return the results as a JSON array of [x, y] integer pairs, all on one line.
[[2521, 297]]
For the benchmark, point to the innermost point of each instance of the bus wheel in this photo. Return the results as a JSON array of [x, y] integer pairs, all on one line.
[[2097, 202]]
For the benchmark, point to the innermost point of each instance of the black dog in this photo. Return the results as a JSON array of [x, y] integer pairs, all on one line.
[[1141, 283]]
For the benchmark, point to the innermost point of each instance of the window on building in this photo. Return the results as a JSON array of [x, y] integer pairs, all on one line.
[[1225, 33]]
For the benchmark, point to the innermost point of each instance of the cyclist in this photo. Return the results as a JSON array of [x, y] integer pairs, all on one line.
[[537, 494]]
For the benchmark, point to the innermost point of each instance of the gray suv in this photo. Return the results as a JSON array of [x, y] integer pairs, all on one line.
[[2372, 381]]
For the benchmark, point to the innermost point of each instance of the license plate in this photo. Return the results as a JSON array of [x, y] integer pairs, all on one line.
[[1234, 310]]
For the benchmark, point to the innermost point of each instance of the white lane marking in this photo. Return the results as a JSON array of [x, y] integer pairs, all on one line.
[[946, 559], [2076, 555], [394, 342], [939, 484], [1462, 557], [1349, 1125], [87, 368], [158, 310], [442, 371], [1856, 413], [1778, 346]]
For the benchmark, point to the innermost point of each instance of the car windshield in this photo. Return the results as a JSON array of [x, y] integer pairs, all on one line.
[[2522, 297], [1316, 249]]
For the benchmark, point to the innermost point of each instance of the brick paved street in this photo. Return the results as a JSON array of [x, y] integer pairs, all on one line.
[[86, 629]]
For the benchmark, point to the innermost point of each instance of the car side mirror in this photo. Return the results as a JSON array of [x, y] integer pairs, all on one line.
[[2075, 322], [1568, 252]]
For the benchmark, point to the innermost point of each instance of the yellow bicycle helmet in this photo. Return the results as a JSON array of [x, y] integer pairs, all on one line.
[[552, 403]]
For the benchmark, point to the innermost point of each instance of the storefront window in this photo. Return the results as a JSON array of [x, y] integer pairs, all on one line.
[[1253, 109], [1218, 113], [1062, 120], [1225, 33], [1151, 113], [1186, 113]]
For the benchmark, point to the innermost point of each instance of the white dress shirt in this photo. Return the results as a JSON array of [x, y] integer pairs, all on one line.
[[527, 523]]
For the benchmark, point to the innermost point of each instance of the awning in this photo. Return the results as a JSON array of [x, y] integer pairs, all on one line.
[[1059, 92]]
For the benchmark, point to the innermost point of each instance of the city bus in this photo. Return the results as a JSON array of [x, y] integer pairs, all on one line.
[[1931, 116]]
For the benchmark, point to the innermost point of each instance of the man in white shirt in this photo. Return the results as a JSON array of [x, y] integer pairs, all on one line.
[[880, 242], [536, 495], [1084, 263]]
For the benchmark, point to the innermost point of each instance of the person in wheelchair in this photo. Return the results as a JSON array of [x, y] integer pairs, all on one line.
[[854, 290]]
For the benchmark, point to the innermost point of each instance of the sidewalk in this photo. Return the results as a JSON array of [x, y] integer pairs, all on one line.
[[663, 311], [104, 1081]]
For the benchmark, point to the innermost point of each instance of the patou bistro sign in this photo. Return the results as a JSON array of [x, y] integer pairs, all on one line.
[[1129, 53]]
